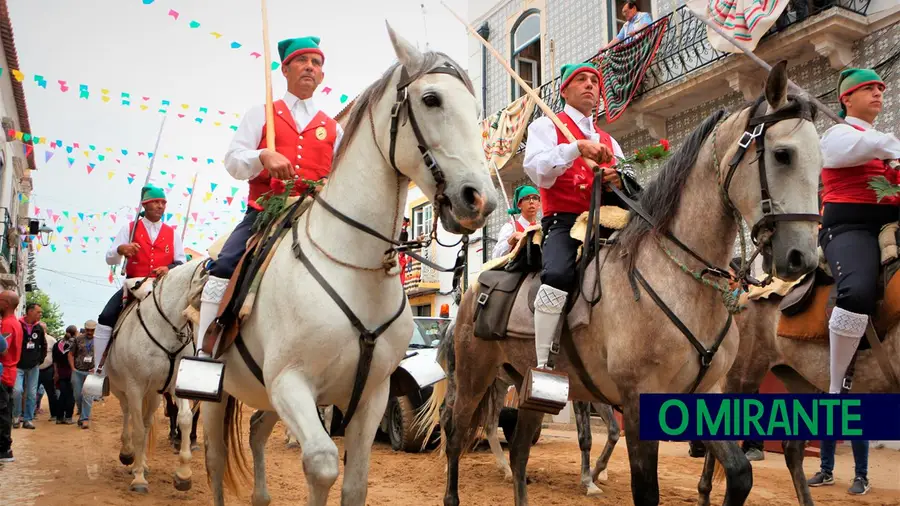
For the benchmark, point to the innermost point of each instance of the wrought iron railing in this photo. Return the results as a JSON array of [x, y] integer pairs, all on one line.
[[685, 47], [6, 250]]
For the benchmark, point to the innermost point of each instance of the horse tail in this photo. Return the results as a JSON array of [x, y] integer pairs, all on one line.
[[237, 470], [718, 473], [428, 417]]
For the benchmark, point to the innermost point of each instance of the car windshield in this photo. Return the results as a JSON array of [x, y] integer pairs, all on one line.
[[427, 330]]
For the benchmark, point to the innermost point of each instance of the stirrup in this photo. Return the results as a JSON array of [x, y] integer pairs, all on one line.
[[200, 379], [96, 385], [544, 390]]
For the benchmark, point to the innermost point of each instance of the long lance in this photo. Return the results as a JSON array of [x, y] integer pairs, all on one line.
[[270, 110], [190, 202], [762, 63], [146, 182]]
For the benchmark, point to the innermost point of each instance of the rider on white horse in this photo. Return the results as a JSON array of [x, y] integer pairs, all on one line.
[[559, 169], [306, 140], [154, 249]]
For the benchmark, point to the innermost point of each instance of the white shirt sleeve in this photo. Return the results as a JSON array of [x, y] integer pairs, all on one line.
[[242, 158], [339, 138], [502, 247], [179, 249], [112, 256], [845, 146], [617, 150], [545, 160]]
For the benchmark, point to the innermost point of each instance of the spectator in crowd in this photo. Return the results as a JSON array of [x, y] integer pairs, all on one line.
[[45, 378], [635, 21], [825, 476], [83, 352], [63, 365], [11, 331], [34, 349]]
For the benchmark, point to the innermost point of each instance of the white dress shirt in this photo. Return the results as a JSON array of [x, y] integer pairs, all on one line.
[[114, 258], [545, 160], [506, 231], [845, 146], [242, 159]]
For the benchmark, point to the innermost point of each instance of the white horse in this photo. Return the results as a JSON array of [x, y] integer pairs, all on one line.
[[151, 337], [305, 346]]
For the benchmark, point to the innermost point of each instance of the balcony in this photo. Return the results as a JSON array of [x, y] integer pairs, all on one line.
[[8, 260], [420, 279], [687, 71]]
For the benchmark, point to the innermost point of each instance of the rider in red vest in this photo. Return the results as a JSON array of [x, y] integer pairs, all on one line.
[[853, 154], [527, 204], [153, 250], [306, 140], [559, 169]]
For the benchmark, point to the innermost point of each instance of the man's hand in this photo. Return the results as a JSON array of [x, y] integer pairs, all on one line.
[[128, 250], [513, 239], [611, 176], [161, 271], [594, 151], [277, 164], [321, 185]]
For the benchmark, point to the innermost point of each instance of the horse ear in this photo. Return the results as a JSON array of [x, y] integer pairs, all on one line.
[[407, 54], [776, 85]]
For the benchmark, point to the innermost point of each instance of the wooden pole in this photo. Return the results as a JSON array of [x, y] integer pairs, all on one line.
[[762, 63], [190, 202], [267, 61], [146, 182]]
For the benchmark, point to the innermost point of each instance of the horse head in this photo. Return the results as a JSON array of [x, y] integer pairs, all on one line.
[[435, 139], [778, 178]]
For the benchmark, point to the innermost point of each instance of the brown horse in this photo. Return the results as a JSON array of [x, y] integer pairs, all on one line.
[[630, 346], [803, 367]]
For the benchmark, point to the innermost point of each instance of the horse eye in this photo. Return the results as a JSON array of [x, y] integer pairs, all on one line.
[[783, 156], [431, 100]]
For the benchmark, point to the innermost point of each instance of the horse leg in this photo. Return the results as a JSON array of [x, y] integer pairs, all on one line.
[[358, 439], [126, 453], [139, 435], [642, 455], [612, 437], [526, 426], [704, 487], [583, 425], [172, 415], [196, 418], [295, 403], [261, 425], [183, 472], [213, 414], [150, 407], [793, 457], [496, 449], [329, 416], [738, 473]]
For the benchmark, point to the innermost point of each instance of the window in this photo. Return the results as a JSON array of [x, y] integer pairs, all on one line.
[[526, 54], [615, 13], [423, 310], [422, 221]]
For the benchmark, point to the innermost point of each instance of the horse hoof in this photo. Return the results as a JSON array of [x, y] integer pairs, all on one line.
[[140, 488], [602, 476], [182, 485], [593, 490], [126, 460]]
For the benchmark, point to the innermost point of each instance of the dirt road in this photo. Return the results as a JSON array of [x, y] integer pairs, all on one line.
[[60, 465]]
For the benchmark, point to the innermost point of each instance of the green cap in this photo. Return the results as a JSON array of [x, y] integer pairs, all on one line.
[[288, 49], [570, 70], [851, 80], [522, 191], [151, 192]]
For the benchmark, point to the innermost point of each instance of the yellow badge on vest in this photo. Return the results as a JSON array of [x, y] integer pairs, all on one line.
[[321, 133]]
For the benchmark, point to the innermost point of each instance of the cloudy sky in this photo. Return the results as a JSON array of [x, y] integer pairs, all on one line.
[[179, 51]]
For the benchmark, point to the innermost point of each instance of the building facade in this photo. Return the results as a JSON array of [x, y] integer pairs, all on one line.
[[16, 164]]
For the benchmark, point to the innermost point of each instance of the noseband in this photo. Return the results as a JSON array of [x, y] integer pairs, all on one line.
[[765, 228]]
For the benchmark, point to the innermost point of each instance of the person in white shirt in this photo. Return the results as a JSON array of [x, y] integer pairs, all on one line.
[[526, 204], [306, 141], [45, 376], [635, 21], [852, 218]]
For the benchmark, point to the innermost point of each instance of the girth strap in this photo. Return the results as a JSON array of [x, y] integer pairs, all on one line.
[[706, 355], [367, 337], [248, 358]]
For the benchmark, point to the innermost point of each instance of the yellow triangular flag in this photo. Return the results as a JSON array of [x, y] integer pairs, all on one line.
[[104, 98], [143, 107], [104, 91], [18, 75], [87, 154], [110, 174], [215, 34], [109, 150]]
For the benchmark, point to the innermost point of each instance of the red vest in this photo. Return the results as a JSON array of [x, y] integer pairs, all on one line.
[[850, 185], [151, 255], [311, 150], [571, 192], [518, 225]]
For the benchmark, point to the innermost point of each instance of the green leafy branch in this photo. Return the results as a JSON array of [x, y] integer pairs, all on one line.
[[883, 188]]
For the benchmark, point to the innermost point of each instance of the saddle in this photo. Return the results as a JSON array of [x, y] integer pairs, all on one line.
[[806, 308], [240, 295], [507, 286]]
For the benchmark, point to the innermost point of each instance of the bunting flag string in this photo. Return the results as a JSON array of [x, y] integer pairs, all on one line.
[[200, 115]]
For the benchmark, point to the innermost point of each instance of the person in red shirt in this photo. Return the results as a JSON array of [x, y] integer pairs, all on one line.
[[12, 333]]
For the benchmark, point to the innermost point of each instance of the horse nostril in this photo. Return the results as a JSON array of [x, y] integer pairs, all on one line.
[[472, 197], [795, 261]]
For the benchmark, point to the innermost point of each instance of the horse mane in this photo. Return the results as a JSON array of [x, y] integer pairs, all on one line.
[[661, 197], [370, 96]]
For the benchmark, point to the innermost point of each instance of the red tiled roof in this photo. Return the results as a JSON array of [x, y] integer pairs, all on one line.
[[12, 61]]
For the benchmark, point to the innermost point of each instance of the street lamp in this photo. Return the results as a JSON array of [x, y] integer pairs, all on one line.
[[45, 232]]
